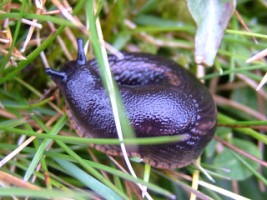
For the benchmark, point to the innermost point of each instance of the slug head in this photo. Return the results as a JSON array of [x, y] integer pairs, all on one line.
[[70, 67]]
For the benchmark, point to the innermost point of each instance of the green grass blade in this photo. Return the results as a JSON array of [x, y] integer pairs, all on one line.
[[39, 153], [88, 180]]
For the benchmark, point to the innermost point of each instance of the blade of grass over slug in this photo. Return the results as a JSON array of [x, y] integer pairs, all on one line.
[[78, 140], [60, 123], [121, 121], [124, 130], [88, 180]]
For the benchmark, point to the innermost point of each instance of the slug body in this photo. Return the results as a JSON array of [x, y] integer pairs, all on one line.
[[160, 98]]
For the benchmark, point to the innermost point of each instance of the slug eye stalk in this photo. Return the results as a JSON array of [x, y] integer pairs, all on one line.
[[81, 59], [56, 75]]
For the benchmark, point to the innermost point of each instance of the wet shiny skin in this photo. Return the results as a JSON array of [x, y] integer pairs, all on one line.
[[160, 97]]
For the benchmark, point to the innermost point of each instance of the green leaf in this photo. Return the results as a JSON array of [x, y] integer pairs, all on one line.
[[238, 171], [246, 96], [211, 17], [210, 149]]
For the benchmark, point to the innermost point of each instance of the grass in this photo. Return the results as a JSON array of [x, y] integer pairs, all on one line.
[[37, 144]]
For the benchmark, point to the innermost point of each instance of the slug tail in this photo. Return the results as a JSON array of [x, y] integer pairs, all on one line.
[[81, 59]]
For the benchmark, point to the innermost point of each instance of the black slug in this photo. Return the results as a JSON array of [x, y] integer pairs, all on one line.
[[160, 97]]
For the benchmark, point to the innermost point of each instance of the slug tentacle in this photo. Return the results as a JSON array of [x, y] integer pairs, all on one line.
[[160, 97], [81, 59], [56, 75]]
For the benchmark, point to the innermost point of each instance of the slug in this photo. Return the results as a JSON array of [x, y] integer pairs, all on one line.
[[160, 97]]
